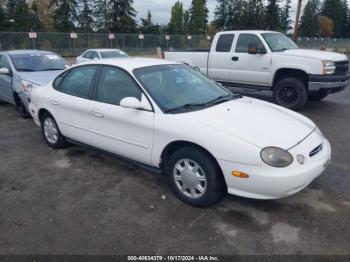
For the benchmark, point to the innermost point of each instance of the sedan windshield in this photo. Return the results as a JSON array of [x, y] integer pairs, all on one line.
[[278, 42], [179, 87], [112, 54], [38, 62]]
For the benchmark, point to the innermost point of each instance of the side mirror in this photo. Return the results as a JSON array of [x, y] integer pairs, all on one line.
[[4, 71], [95, 58], [134, 103], [252, 49]]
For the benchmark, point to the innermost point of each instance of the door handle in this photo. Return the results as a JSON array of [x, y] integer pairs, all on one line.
[[235, 58], [97, 113], [54, 102]]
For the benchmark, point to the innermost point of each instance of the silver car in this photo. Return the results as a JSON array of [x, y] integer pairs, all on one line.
[[21, 70], [97, 54]]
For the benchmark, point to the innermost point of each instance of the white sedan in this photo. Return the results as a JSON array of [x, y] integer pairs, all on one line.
[[170, 118], [97, 54]]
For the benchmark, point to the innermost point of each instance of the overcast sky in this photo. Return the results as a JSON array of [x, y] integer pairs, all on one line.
[[161, 9]]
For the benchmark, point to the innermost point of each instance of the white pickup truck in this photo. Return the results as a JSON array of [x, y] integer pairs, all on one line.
[[266, 60]]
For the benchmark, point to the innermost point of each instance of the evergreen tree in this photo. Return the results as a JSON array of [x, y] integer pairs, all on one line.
[[198, 17], [85, 18], [252, 16], [102, 15], [187, 21], [272, 15], [3, 18], [147, 26], [308, 22], [337, 11], [19, 16], [36, 23], [235, 15], [122, 16], [221, 14], [176, 24], [284, 17], [65, 15]]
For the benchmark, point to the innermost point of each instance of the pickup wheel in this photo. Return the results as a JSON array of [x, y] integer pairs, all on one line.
[[317, 96], [194, 177], [290, 93]]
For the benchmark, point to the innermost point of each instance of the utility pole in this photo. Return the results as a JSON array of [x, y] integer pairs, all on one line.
[[296, 24]]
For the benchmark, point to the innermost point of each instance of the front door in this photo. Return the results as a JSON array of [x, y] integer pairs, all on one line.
[[248, 68], [6, 92], [122, 131]]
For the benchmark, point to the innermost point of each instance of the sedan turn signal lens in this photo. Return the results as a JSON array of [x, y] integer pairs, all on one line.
[[240, 174]]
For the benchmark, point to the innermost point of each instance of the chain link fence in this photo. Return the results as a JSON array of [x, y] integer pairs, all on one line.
[[63, 44]]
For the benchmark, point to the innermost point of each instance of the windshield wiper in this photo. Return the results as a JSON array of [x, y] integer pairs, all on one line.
[[25, 70], [186, 106], [50, 69], [221, 99]]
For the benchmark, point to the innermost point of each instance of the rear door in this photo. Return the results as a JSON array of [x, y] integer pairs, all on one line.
[[70, 102], [219, 63], [122, 131], [6, 92], [250, 68]]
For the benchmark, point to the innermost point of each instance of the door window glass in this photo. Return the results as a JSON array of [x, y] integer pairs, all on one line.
[[244, 40], [3, 61], [114, 85], [78, 81], [224, 43], [87, 55]]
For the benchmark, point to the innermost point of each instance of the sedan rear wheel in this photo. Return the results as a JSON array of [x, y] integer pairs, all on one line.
[[51, 132]]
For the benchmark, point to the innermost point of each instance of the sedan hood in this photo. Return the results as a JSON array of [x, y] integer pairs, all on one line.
[[319, 55], [260, 123], [40, 77]]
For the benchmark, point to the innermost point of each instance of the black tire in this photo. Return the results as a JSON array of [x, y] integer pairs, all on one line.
[[22, 110], [317, 96], [58, 143], [290, 93], [214, 185]]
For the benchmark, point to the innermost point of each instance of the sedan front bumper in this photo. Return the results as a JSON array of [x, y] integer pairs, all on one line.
[[266, 182]]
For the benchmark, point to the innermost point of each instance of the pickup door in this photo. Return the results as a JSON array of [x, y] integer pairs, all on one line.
[[248, 68]]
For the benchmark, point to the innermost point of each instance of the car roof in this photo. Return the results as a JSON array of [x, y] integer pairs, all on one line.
[[103, 49], [130, 63], [249, 31], [27, 51]]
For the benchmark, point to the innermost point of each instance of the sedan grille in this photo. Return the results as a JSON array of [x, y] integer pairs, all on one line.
[[342, 67], [316, 150]]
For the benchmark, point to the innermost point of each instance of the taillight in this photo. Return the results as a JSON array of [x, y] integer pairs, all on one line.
[[162, 55]]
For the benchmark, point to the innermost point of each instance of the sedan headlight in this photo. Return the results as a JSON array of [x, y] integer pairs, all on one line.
[[27, 86], [276, 157], [328, 67]]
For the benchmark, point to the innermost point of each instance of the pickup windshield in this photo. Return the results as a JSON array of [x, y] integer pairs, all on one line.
[[38, 62], [278, 42], [178, 88]]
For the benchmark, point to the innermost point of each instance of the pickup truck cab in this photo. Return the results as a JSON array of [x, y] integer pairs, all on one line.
[[267, 60]]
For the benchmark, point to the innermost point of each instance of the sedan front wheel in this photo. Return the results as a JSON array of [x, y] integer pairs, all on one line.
[[194, 177]]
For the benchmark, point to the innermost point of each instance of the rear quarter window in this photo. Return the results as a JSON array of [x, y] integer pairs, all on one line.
[[224, 43]]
